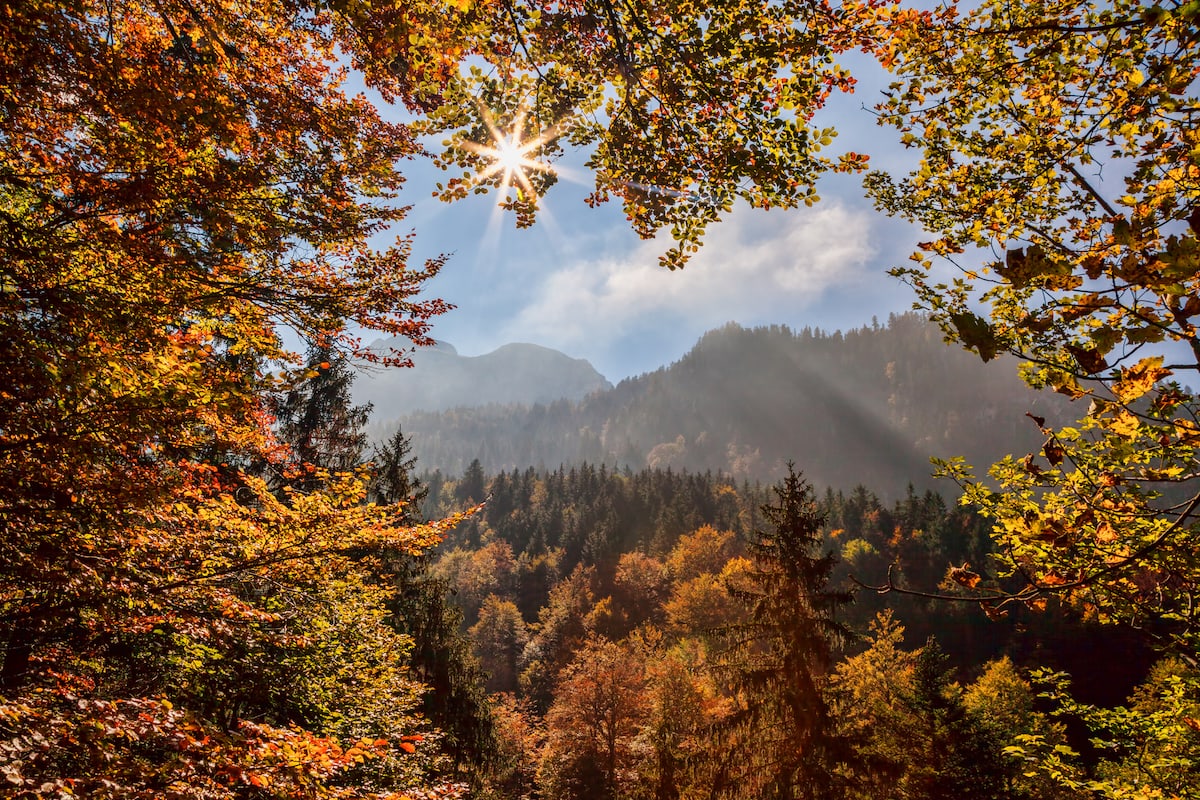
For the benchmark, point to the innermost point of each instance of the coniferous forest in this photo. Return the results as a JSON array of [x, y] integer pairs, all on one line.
[[869, 405], [217, 584]]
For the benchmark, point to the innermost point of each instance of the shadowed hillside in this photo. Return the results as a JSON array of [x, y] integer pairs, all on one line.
[[867, 406]]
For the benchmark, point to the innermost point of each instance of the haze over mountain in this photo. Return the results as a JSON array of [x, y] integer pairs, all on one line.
[[868, 406], [442, 379]]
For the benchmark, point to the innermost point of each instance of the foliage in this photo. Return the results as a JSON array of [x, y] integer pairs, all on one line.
[[478, 574], [703, 606], [917, 735], [585, 512], [182, 179], [562, 628], [779, 657], [177, 181], [590, 729], [147, 747], [512, 770], [687, 108], [864, 694], [1149, 747], [951, 754], [1061, 136], [695, 738], [685, 709], [236, 611], [704, 551], [499, 639]]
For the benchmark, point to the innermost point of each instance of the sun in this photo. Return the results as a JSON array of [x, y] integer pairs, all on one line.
[[508, 153]]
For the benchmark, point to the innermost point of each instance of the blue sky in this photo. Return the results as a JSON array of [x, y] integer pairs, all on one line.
[[582, 282]]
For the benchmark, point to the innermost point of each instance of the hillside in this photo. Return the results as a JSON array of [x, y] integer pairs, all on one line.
[[443, 379], [866, 406]]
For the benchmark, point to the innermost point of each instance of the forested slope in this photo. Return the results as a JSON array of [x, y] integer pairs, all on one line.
[[867, 406], [645, 633]]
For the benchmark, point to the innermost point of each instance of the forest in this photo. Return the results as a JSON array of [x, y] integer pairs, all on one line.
[[214, 585], [866, 406], [667, 635]]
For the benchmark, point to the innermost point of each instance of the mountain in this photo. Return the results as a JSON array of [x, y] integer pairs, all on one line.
[[442, 379], [868, 406]]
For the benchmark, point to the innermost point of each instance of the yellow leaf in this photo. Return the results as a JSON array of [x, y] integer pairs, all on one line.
[[1187, 431], [1139, 379], [1124, 424]]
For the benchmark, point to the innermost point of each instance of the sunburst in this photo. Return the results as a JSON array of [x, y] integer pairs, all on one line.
[[510, 154]]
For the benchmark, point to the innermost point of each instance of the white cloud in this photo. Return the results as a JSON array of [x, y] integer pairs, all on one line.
[[753, 265]]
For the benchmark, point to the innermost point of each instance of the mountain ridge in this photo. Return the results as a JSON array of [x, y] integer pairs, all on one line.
[[442, 379], [867, 406]]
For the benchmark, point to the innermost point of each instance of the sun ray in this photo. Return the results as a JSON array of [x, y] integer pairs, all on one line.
[[510, 154]]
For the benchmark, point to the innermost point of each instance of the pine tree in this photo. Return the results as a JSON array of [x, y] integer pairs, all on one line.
[[779, 659], [394, 477], [316, 420]]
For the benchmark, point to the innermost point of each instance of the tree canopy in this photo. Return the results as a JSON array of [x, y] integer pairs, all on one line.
[[1060, 169], [183, 180]]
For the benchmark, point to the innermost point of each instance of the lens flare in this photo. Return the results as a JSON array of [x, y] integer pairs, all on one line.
[[510, 155]]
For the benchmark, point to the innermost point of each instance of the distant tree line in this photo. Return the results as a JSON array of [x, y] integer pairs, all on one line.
[[868, 406]]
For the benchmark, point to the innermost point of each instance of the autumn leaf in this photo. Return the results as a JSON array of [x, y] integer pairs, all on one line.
[[975, 333], [1187, 432], [1089, 359], [963, 576], [1139, 379], [1023, 268], [1037, 604], [1124, 424]]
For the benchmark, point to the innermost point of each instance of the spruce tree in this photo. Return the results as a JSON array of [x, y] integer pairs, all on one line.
[[394, 477], [315, 418], [779, 658], [456, 701]]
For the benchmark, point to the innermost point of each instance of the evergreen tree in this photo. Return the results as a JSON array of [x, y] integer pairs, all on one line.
[[779, 658], [456, 700], [316, 420], [394, 478], [471, 488], [951, 756], [441, 657]]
